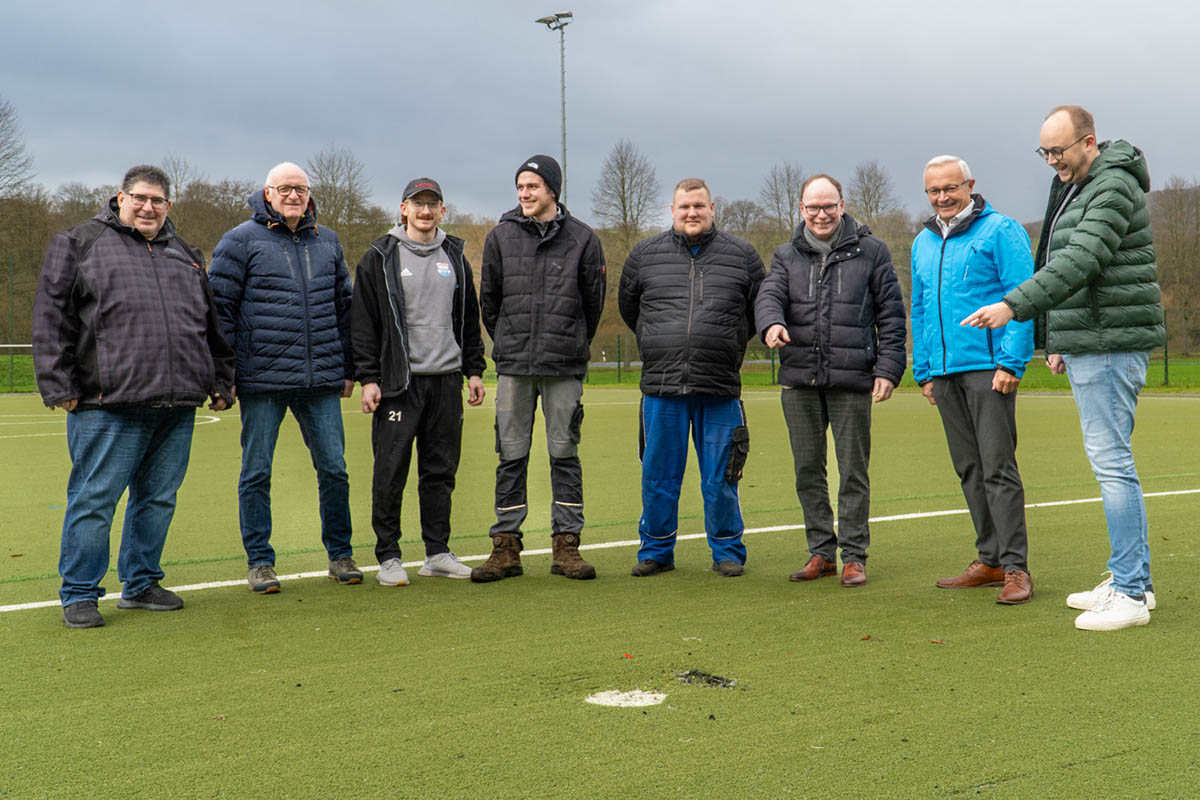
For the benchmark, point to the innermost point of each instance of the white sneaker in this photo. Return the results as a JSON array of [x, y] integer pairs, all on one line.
[[1086, 600], [391, 573], [1116, 611], [444, 565]]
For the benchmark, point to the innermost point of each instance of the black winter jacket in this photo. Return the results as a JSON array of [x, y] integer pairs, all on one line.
[[541, 296], [122, 321], [378, 327], [693, 315], [284, 299], [846, 324]]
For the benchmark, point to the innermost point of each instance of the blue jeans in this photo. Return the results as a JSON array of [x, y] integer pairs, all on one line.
[[1106, 387], [319, 415], [143, 449], [665, 425]]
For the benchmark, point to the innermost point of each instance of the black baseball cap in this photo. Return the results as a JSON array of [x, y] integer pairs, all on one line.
[[418, 185]]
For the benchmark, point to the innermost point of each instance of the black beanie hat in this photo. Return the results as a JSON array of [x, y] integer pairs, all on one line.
[[548, 168]]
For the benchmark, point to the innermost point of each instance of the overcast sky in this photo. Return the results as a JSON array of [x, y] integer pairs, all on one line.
[[464, 91]]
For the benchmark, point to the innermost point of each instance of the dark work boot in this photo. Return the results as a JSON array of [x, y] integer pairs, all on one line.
[[566, 559], [504, 562]]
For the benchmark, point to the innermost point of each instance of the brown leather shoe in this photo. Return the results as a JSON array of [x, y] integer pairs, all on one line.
[[1018, 588], [854, 573], [816, 567], [977, 574]]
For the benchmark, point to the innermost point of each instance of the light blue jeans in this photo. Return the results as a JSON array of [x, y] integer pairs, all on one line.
[[1106, 388]]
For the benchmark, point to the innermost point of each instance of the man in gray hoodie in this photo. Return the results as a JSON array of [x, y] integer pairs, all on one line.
[[415, 330]]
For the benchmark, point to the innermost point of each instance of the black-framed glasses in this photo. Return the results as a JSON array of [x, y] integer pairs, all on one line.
[[157, 203], [813, 211], [1054, 154], [934, 191], [301, 191]]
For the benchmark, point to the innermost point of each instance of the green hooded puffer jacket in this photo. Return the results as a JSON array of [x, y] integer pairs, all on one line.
[[1095, 289]]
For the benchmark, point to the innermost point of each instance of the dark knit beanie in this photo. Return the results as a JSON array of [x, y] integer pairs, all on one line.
[[548, 168]]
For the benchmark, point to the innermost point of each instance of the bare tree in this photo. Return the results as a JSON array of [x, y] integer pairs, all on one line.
[[1175, 216], [181, 174], [627, 191], [16, 163], [871, 195], [77, 202], [339, 186], [742, 215], [780, 196]]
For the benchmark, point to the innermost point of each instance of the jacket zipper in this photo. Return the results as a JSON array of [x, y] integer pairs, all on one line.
[[941, 325], [162, 304], [397, 315], [687, 356]]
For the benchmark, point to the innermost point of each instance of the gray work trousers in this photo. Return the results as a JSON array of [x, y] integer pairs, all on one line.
[[809, 413], [981, 430], [516, 401]]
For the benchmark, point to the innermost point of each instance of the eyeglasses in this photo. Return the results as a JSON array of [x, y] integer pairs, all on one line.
[[301, 191], [814, 211], [432, 205], [157, 203], [1055, 154], [934, 191]]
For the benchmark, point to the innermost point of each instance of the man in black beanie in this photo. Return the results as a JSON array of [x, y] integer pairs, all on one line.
[[541, 294]]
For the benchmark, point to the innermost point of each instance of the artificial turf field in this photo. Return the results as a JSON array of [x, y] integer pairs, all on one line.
[[452, 689]]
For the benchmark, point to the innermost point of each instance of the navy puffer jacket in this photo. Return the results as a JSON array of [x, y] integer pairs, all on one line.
[[845, 322], [693, 314], [284, 300]]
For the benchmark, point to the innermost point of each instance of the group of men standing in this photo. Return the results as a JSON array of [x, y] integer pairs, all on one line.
[[132, 335]]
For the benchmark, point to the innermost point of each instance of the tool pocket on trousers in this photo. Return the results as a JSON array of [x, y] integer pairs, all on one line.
[[576, 423], [739, 450]]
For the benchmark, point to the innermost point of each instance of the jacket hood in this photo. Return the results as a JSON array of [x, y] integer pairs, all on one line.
[[1120, 154], [516, 215], [110, 215], [704, 239], [265, 214], [849, 233]]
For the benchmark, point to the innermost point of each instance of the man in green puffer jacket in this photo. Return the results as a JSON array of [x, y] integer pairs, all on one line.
[[1096, 285]]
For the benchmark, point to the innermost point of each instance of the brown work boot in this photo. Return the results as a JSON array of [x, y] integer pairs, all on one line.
[[816, 567], [1018, 588], [976, 574], [504, 562], [566, 559]]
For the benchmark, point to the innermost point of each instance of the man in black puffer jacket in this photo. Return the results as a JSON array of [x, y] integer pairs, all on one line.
[[541, 294], [832, 302], [688, 293]]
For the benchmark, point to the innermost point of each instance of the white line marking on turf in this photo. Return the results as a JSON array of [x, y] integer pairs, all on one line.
[[195, 587]]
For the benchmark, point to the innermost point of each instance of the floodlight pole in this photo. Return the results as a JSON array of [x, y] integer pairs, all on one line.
[[558, 22]]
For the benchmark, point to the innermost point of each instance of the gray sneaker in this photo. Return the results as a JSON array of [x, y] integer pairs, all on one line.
[[391, 573], [728, 569], [83, 614], [262, 579], [444, 565], [345, 571], [154, 598]]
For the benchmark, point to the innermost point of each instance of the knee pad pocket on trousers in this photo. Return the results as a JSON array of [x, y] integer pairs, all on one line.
[[739, 451]]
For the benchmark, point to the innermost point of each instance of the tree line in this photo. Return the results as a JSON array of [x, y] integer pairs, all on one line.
[[626, 203]]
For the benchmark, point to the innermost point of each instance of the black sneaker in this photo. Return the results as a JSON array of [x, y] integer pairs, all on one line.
[[155, 598], [728, 569], [645, 568], [83, 614]]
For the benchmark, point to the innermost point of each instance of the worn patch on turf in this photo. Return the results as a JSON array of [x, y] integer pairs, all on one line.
[[627, 699], [705, 679]]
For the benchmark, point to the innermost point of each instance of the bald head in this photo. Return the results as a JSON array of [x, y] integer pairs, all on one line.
[[286, 168]]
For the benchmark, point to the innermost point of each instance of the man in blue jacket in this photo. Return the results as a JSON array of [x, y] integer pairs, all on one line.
[[283, 292], [966, 256]]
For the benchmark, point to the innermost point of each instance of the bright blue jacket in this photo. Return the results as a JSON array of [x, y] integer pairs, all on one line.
[[985, 256], [284, 301]]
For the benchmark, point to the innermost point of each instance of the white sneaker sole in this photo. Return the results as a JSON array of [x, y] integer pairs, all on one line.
[[382, 582], [429, 573], [1097, 624], [1085, 601]]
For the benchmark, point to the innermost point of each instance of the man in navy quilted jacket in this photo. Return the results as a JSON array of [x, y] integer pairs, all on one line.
[[283, 292]]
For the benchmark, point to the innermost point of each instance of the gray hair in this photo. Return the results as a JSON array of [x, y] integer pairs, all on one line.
[[937, 161]]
